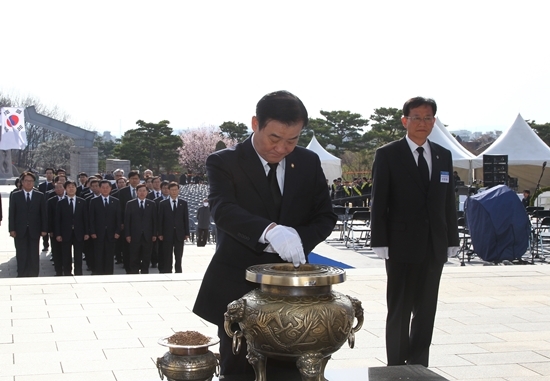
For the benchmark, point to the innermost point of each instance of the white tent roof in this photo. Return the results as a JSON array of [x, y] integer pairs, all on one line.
[[332, 166], [440, 135], [522, 145]]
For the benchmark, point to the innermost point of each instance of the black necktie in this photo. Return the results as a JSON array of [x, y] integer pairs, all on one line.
[[274, 186], [157, 195], [174, 207], [141, 204], [423, 168], [134, 193], [105, 199], [28, 198], [72, 205]]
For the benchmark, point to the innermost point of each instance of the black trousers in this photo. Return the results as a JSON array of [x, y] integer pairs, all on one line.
[[170, 248], [202, 237], [140, 251], [89, 251], [412, 289], [45, 241], [67, 256], [27, 255], [57, 256], [104, 252], [155, 253]]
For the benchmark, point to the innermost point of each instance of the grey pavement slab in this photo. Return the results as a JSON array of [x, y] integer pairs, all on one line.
[[492, 322]]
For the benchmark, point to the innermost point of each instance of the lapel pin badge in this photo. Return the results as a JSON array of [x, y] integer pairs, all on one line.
[[437, 156], [292, 165]]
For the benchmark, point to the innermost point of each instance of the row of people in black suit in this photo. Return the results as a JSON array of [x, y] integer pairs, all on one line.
[[72, 231]]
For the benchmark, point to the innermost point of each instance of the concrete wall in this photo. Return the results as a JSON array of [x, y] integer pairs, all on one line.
[[83, 160]]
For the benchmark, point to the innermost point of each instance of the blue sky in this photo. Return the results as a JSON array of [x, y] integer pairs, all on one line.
[[110, 63]]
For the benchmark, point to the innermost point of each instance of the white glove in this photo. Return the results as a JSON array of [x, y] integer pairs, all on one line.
[[382, 252], [452, 251], [287, 243]]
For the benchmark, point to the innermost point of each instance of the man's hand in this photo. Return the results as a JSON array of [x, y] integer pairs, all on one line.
[[154, 238], [128, 239], [13, 233], [43, 234], [287, 243], [86, 237], [94, 236], [59, 238], [161, 238], [117, 236]]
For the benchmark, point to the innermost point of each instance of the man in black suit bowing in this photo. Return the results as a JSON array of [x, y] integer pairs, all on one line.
[[105, 228], [414, 228], [173, 229], [28, 220], [71, 228], [140, 228], [270, 204]]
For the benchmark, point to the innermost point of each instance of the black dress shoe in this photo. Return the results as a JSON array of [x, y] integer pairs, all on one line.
[[154, 266], [118, 262]]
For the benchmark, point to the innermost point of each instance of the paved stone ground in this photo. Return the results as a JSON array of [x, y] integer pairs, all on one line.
[[493, 322]]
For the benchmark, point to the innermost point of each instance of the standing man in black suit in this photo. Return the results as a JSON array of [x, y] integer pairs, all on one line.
[[414, 228], [203, 223], [28, 220], [45, 187], [124, 195], [173, 229], [156, 192], [105, 228], [140, 228], [71, 229], [59, 190], [82, 178], [270, 204], [48, 184]]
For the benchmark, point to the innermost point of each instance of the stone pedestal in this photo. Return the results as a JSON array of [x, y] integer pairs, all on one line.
[[112, 164], [83, 160], [383, 373], [5, 164]]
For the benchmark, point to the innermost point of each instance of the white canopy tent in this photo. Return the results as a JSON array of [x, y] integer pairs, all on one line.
[[462, 158], [332, 166], [526, 153]]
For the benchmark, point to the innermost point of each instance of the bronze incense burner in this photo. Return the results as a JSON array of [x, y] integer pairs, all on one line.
[[294, 316]]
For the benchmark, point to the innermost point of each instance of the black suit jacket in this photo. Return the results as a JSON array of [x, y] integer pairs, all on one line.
[[138, 222], [406, 218], [66, 221], [33, 216], [242, 208], [45, 186], [51, 208], [124, 195], [168, 220], [105, 222], [152, 195]]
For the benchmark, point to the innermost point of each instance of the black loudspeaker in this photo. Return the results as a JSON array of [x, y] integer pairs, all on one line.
[[495, 170]]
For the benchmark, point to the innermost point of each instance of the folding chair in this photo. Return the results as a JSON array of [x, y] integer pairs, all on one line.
[[543, 236], [358, 224], [342, 215], [465, 241], [536, 219]]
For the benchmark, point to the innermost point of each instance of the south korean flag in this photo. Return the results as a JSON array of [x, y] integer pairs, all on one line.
[[13, 135]]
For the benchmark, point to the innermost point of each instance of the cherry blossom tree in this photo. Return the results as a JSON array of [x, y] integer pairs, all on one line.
[[198, 143]]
